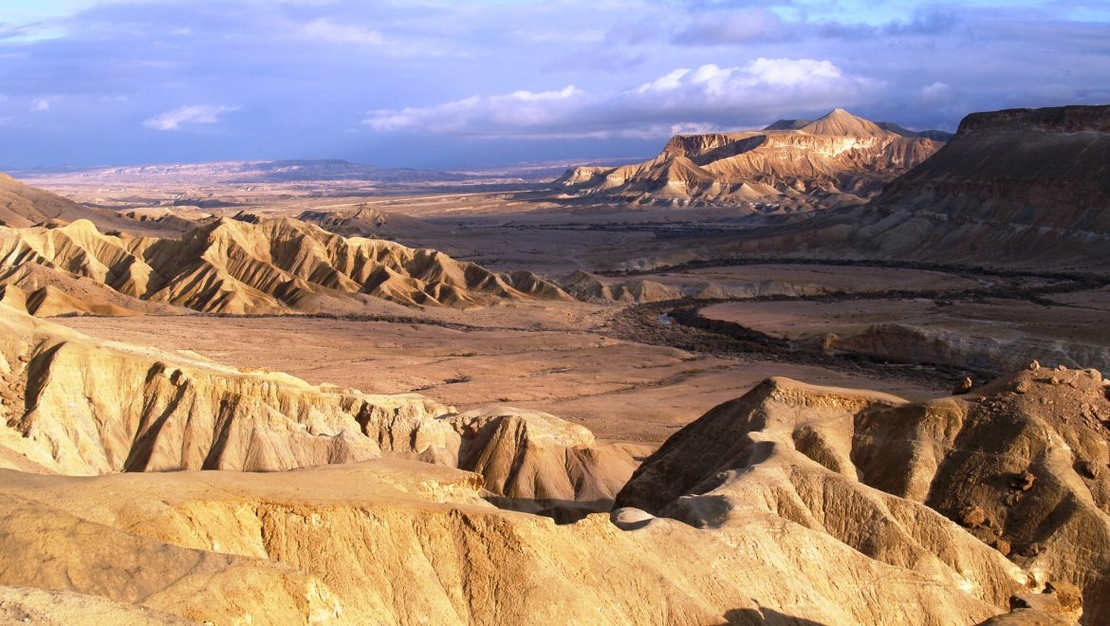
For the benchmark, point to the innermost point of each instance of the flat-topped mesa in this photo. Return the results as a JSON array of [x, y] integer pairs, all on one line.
[[795, 164], [1065, 119], [1017, 169]]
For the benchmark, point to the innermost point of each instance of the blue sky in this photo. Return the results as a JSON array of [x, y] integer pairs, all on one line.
[[451, 84]]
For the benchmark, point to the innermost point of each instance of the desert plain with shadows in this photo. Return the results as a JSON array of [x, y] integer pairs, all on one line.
[[826, 372]]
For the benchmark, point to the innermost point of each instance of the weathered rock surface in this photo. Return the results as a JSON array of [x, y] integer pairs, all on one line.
[[838, 159], [535, 462], [399, 543], [231, 266], [70, 405], [1016, 462]]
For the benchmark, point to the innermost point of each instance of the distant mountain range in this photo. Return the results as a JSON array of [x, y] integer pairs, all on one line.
[[836, 160], [306, 170]]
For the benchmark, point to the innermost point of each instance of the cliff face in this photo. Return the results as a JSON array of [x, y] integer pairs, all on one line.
[[1043, 168], [838, 159]]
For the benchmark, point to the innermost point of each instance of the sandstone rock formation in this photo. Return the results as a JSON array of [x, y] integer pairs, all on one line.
[[76, 407], [1020, 463], [72, 406], [838, 159], [799, 492], [230, 266], [399, 543], [535, 462]]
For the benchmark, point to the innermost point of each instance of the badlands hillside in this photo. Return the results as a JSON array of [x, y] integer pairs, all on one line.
[[838, 159], [794, 507], [232, 266]]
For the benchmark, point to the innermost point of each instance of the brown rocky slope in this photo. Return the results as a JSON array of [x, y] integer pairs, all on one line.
[[838, 159]]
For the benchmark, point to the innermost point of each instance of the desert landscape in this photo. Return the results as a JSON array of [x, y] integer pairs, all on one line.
[[314, 392]]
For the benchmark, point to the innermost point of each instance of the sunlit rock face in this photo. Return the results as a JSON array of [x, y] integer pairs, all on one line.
[[838, 159]]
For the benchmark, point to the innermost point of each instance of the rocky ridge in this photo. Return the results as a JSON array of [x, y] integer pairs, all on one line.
[[838, 159], [231, 266]]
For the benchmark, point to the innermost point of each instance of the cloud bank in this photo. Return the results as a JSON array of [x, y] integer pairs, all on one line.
[[430, 83], [704, 98]]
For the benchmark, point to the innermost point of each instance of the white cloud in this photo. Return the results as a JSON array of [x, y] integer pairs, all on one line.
[[683, 100], [668, 82], [39, 105], [936, 92], [189, 114], [490, 115], [792, 71], [329, 32]]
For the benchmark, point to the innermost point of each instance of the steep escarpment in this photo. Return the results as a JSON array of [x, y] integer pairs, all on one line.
[[838, 159], [1020, 465], [1033, 168], [231, 266]]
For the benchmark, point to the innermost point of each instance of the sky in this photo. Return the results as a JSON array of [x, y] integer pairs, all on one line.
[[453, 85]]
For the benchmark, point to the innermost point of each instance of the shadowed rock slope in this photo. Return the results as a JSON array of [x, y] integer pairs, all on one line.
[[947, 488], [230, 266], [838, 159]]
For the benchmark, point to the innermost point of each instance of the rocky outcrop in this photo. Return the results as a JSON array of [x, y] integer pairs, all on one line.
[[399, 543], [231, 266], [838, 159], [1020, 464], [72, 406], [535, 462]]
